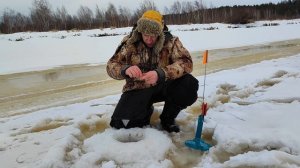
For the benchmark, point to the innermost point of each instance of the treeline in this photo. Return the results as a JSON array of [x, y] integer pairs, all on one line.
[[43, 18], [197, 13]]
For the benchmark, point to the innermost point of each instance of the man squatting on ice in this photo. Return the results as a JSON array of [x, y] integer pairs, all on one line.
[[156, 68]]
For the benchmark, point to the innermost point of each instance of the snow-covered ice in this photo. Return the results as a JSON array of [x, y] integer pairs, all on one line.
[[252, 120]]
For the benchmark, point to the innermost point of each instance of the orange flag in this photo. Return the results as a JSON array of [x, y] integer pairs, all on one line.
[[205, 57]]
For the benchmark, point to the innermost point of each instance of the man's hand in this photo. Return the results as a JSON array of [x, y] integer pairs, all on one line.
[[134, 72], [150, 77]]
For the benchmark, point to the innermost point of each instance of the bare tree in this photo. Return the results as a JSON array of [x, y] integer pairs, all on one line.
[[99, 17], [125, 16], [176, 8], [7, 21], [21, 22], [85, 16], [188, 9], [61, 17], [146, 5], [111, 15], [13, 22], [167, 10], [199, 7], [41, 15]]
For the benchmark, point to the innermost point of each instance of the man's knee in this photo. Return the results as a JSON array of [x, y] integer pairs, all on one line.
[[183, 91]]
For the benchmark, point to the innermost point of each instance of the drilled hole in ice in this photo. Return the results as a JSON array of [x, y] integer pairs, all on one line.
[[131, 136]]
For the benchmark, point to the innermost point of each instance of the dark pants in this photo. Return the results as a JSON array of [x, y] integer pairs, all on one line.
[[136, 106]]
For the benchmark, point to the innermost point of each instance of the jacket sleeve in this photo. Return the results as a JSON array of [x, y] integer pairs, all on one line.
[[181, 61], [117, 64]]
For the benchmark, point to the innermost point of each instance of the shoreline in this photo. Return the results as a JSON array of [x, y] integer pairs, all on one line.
[[36, 90]]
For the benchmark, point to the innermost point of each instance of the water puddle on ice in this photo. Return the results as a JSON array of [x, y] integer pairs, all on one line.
[[183, 157], [89, 129]]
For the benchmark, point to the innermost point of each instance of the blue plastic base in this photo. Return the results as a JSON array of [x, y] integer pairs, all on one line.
[[197, 144]]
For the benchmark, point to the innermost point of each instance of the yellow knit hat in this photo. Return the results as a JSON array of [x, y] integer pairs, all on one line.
[[153, 15], [151, 22]]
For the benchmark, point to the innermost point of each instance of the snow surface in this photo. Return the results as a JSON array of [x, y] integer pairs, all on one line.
[[44, 50], [257, 127]]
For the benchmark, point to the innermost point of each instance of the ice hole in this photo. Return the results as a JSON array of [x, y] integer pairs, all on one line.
[[130, 136]]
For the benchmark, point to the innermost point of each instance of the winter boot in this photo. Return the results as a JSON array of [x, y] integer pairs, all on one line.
[[167, 118], [169, 126]]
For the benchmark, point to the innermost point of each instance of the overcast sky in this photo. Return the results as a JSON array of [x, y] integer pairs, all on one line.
[[72, 6]]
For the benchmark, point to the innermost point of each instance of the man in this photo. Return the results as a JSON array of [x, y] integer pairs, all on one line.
[[156, 68]]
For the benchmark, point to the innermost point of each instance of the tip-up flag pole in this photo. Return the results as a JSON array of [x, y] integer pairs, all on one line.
[[197, 143], [205, 57]]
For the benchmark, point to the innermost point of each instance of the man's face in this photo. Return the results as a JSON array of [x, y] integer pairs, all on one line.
[[149, 39]]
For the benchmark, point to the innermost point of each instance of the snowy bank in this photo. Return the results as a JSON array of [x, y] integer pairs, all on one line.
[[38, 51]]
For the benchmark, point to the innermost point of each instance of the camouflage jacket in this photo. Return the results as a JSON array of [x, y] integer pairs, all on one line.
[[168, 58]]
